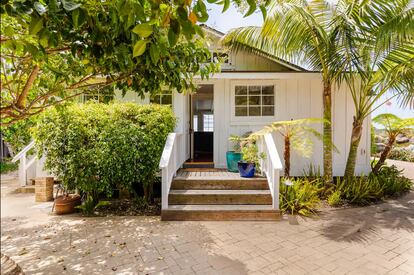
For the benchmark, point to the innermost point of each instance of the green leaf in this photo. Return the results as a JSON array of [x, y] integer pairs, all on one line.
[[144, 30], [264, 11], [40, 8], [36, 24], [154, 53], [75, 18], [172, 37], [139, 48], [44, 38], [69, 5], [226, 5], [9, 31], [252, 7]]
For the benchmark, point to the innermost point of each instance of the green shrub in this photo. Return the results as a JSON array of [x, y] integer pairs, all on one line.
[[392, 181], [6, 167], [300, 198], [335, 199], [18, 135], [360, 190], [363, 190], [95, 147], [89, 205], [401, 154]]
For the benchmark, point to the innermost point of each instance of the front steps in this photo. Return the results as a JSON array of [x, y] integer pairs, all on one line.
[[217, 196]]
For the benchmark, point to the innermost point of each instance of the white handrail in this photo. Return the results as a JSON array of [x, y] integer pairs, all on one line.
[[172, 158], [271, 166], [23, 152], [24, 163]]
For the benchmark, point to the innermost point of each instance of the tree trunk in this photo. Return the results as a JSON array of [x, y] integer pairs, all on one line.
[[327, 132], [353, 149], [148, 191], [384, 154], [286, 156]]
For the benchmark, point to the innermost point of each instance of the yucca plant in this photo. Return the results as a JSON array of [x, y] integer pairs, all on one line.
[[297, 135], [393, 126]]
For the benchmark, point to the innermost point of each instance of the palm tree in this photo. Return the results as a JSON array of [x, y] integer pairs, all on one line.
[[313, 32], [393, 126], [297, 136], [383, 32]]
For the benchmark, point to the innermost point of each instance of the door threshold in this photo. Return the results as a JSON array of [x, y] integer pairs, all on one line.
[[201, 164]]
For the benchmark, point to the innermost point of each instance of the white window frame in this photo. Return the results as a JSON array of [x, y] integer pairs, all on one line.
[[252, 119], [163, 94], [209, 129]]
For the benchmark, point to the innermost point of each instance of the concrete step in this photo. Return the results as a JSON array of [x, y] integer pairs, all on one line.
[[213, 183], [220, 213], [219, 197]]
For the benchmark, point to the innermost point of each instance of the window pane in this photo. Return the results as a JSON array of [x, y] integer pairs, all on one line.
[[268, 100], [241, 111], [268, 90], [155, 99], [241, 100], [241, 90], [208, 122], [254, 90], [254, 100], [166, 99], [268, 111], [195, 123], [254, 111]]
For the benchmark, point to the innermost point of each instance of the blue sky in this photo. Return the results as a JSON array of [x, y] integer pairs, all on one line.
[[233, 19]]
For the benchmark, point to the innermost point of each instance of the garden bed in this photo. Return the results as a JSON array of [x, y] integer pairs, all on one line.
[[129, 207]]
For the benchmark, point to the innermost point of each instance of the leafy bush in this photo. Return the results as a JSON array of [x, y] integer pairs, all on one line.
[[364, 190], [360, 190], [392, 181], [401, 154], [89, 205], [18, 135], [95, 147], [300, 198], [6, 167], [335, 199]]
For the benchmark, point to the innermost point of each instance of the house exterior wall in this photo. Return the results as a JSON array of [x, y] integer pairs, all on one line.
[[297, 95], [244, 61]]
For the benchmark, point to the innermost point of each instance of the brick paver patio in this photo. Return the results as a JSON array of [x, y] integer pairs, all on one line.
[[371, 240]]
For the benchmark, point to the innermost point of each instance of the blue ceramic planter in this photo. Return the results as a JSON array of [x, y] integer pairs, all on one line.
[[232, 159], [246, 169]]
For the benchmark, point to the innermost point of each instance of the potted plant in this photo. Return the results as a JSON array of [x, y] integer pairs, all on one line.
[[250, 158], [234, 156]]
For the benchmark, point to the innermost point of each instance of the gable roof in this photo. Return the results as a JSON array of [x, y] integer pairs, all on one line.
[[259, 52]]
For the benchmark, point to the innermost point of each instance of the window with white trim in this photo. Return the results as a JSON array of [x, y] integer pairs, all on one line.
[[208, 122], [163, 98], [254, 100]]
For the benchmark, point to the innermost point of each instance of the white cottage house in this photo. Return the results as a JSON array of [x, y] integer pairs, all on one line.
[[250, 92]]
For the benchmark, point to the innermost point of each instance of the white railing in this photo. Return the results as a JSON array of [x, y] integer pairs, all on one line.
[[25, 164], [271, 166], [172, 159]]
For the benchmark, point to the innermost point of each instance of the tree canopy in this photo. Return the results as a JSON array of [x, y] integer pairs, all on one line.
[[52, 50]]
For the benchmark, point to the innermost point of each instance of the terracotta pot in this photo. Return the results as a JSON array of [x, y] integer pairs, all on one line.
[[66, 204]]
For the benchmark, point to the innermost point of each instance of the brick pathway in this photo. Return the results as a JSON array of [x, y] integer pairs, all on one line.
[[371, 240]]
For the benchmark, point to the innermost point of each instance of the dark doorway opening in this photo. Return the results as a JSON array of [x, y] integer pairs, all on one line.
[[202, 124]]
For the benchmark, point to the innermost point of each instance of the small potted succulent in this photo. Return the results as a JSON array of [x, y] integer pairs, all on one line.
[[250, 158]]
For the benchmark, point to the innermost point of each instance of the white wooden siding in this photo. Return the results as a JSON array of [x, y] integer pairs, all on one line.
[[297, 95]]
